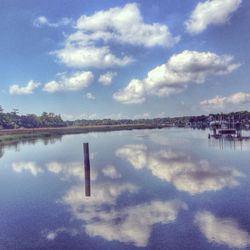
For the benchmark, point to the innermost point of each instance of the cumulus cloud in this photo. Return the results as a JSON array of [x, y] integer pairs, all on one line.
[[90, 96], [134, 93], [111, 171], [127, 26], [90, 56], [25, 90], [220, 101], [89, 46], [107, 78], [43, 21], [224, 231], [30, 166], [194, 177], [211, 12], [75, 82], [174, 76]]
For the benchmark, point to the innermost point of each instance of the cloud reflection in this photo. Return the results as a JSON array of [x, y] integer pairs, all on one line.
[[222, 230], [111, 171], [178, 168], [131, 224], [134, 224], [52, 235], [69, 169], [102, 193], [30, 166]]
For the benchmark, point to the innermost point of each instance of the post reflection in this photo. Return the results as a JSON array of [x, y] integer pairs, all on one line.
[[228, 144], [86, 169]]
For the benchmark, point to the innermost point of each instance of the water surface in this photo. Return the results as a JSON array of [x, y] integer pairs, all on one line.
[[150, 189]]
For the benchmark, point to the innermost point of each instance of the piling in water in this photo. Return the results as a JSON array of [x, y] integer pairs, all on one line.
[[86, 169]]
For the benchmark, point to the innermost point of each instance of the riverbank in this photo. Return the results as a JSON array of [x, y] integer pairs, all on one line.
[[23, 133]]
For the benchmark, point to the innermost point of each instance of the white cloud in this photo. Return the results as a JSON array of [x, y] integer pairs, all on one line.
[[75, 82], [194, 177], [92, 116], [216, 101], [211, 12], [234, 99], [25, 90], [43, 21], [222, 230], [107, 78], [145, 115], [111, 171], [134, 93], [30, 166], [71, 117], [160, 115], [90, 56], [127, 26], [90, 96], [89, 46], [173, 77]]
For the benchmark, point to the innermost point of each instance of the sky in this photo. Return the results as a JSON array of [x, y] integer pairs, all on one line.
[[124, 59]]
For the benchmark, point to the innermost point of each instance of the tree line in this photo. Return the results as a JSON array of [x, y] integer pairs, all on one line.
[[11, 120]]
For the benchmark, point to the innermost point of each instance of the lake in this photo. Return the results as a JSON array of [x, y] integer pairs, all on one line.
[[150, 189]]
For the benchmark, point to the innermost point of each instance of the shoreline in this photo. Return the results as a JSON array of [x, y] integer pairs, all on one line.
[[33, 133]]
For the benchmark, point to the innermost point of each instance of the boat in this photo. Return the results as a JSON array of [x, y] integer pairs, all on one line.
[[223, 128]]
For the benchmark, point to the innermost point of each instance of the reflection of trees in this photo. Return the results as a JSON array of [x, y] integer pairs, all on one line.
[[15, 145], [51, 139], [1, 151]]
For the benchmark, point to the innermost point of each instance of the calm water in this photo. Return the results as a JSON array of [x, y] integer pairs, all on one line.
[[151, 189]]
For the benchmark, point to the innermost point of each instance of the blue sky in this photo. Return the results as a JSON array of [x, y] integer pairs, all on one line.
[[124, 59]]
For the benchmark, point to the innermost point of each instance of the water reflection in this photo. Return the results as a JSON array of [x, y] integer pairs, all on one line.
[[229, 144], [111, 172], [131, 224], [68, 169], [185, 174], [135, 194], [134, 224], [15, 145], [31, 167], [222, 230], [87, 181], [86, 168]]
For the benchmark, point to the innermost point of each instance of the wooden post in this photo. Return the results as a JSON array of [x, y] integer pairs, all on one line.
[[86, 168]]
